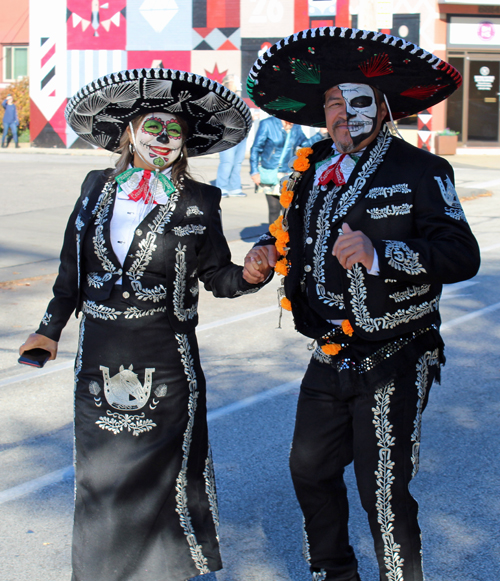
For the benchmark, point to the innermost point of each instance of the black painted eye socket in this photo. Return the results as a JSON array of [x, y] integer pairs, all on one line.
[[361, 102]]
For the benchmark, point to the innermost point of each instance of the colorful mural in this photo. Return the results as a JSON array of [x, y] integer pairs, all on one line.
[[77, 41]]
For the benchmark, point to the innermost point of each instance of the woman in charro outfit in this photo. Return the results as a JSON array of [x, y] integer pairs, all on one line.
[[139, 239]]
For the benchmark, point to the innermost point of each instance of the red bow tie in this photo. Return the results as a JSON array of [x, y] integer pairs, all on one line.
[[333, 174], [143, 191]]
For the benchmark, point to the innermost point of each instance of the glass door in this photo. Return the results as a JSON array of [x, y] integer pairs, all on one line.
[[483, 117]]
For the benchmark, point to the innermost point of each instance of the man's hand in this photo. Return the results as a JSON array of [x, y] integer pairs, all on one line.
[[36, 341], [256, 178], [259, 262], [353, 247]]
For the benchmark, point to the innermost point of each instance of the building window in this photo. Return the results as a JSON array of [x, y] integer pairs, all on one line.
[[15, 60]]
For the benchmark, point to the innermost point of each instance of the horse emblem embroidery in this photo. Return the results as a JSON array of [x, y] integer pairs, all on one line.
[[124, 391], [450, 196]]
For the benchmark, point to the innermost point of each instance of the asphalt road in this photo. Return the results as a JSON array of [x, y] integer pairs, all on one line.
[[253, 371]]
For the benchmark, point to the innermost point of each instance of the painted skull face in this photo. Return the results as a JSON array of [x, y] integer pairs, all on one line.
[[361, 110], [159, 139]]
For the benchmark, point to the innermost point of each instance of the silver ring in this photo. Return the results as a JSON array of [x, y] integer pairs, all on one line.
[[258, 261]]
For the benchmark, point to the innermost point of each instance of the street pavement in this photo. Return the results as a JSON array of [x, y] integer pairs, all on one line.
[[253, 371]]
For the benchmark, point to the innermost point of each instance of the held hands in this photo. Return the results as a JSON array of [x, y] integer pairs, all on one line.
[[352, 247], [259, 262], [36, 341]]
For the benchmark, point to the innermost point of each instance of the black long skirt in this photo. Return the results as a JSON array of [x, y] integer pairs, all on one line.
[[145, 499]]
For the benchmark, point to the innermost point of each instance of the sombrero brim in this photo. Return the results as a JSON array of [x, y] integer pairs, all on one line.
[[289, 80], [100, 112]]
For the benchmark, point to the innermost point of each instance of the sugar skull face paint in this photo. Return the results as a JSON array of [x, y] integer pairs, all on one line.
[[159, 140], [352, 115], [361, 109]]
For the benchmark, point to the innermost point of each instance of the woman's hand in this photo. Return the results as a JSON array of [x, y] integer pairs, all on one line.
[[258, 263], [36, 341], [256, 178]]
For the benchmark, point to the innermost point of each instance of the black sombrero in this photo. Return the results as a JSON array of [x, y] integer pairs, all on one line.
[[290, 79], [100, 112]]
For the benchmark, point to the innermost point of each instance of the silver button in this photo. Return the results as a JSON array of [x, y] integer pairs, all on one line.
[[138, 232], [307, 268], [296, 206], [126, 295], [120, 272], [309, 240]]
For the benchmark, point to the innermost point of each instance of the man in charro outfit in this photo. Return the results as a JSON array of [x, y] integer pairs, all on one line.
[[371, 231]]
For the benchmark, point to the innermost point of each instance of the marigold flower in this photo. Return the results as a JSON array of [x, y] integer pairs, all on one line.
[[331, 348], [286, 304], [286, 198], [347, 328], [281, 247], [276, 226], [282, 267], [301, 164], [283, 186], [304, 151]]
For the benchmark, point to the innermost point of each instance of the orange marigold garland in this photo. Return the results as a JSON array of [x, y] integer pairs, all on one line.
[[279, 230], [331, 348], [286, 304], [334, 348]]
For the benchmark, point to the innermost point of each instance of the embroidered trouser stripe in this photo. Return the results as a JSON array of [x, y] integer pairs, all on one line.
[[181, 483]]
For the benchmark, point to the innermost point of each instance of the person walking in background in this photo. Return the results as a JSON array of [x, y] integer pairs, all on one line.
[[229, 170], [10, 120], [274, 144]]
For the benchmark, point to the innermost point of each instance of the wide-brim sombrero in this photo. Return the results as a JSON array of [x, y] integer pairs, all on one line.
[[290, 79], [218, 119]]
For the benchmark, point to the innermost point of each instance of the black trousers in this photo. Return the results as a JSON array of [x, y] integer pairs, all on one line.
[[380, 433]]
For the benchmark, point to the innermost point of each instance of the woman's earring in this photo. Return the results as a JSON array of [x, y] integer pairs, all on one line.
[[131, 148]]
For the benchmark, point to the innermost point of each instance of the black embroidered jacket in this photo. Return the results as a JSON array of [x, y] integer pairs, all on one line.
[[404, 200], [176, 245]]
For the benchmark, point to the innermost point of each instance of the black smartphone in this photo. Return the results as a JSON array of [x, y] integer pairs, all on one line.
[[34, 357]]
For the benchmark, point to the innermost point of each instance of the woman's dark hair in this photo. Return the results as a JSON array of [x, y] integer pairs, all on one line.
[[179, 167]]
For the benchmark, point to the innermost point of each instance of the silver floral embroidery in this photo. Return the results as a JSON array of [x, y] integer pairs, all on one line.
[[95, 390], [46, 319], [383, 429], [180, 286], [96, 281], [357, 289], [319, 575], [189, 229], [100, 311], [321, 356], [182, 508], [135, 313], [387, 211], [194, 211], [85, 201], [306, 549], [410, 292], [102, 211], [401, 257], [422, 384], [79, 223], [165, 212], [115, 422], [320, 250], [79, 353], [211, 489], [143, 257], [388, 192]]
